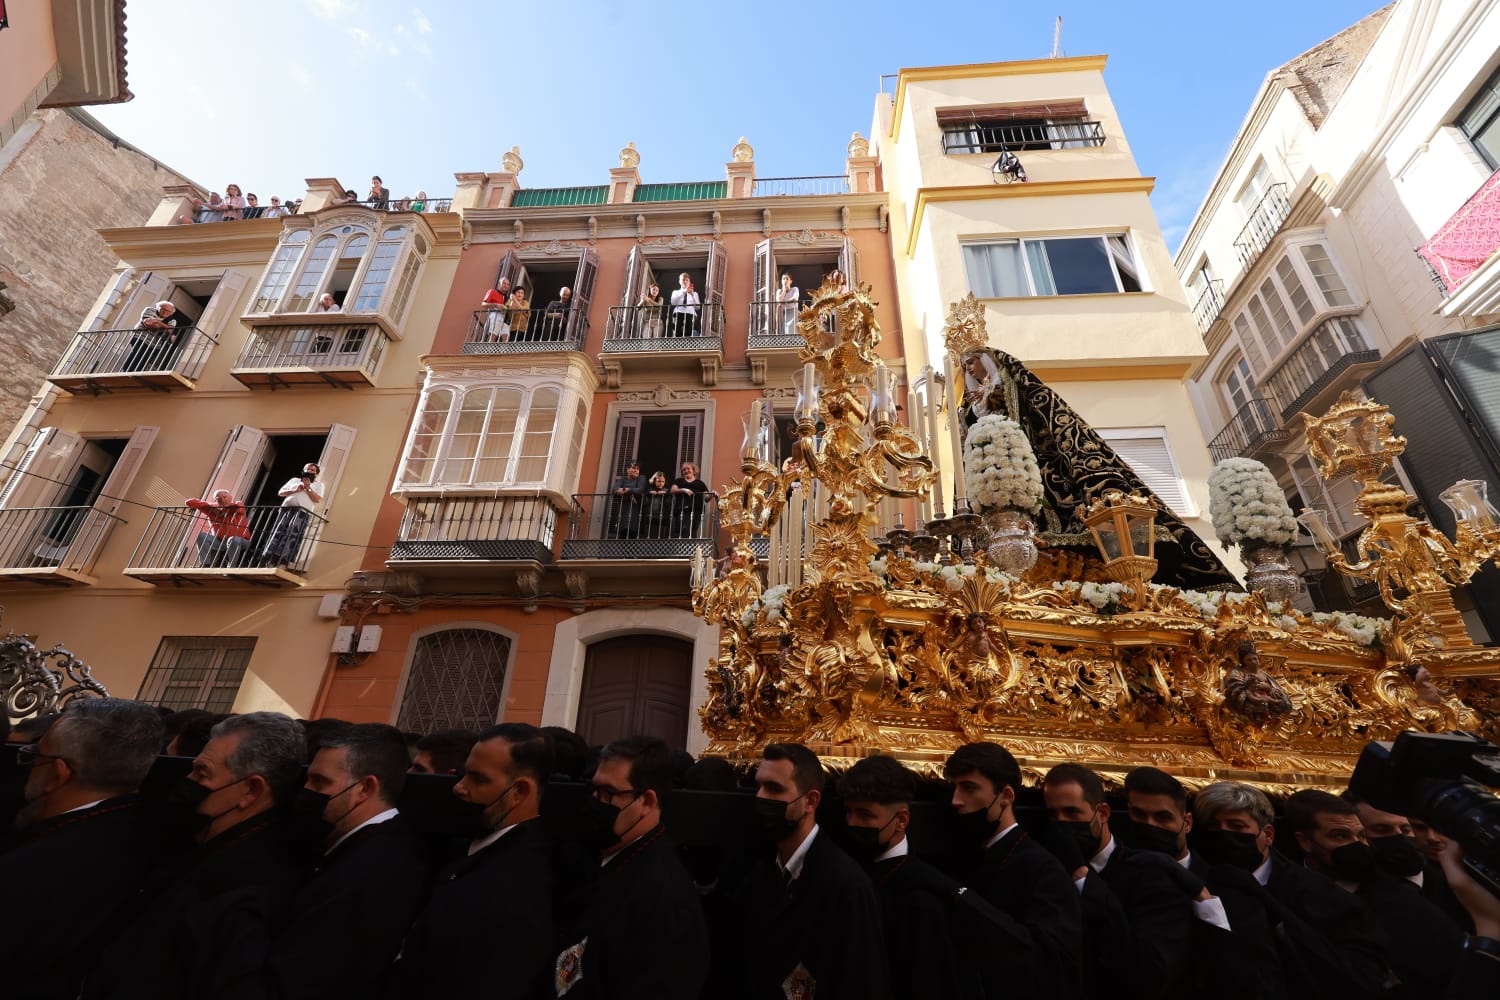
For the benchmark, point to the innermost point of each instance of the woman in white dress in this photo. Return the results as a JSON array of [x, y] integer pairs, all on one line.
[[787, 299]]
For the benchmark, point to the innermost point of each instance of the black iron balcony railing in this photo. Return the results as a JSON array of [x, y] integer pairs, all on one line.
[[774, 324], [774, 187], [1020, 136], [469, 528], [255, 541], [521, 331], [98, 360], [1334, 346], [1210, 303], [1253, 426], [418, 205], [663, 328], [47, 540], [1264, 222], [661, 526], [343, 354]]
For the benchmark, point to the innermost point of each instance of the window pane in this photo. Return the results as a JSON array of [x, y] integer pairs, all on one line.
[[580, 428], [1263, 326], [1481, 121], [426, 437], [404, 286], [994, 270], [1119, 252], [312, 274], [376, 276], [1040, 268], [541, 421], [1327, 278], [1078, 266], [494, 455], [466, 433], [280, 272], [1248, 343], [1295, 290], [1487, 141], [1280, 319]]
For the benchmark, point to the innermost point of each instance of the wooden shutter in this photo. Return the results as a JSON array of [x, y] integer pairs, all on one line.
[[763, 323], [627, 443], [583, 292], [849, 263], [90, 538], [108, 308], [510, 267], [635, 277], [239, 463], [152, 289], [43, 471], [690, 441], [1148, 455], [718, 271], [332, 461], [215, 317]]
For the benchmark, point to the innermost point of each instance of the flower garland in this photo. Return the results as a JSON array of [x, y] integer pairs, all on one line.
[[1248, 507], [1000, 469]]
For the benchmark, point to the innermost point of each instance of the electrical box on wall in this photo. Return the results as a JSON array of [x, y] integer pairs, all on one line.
[[343, 637], [369, 639], [330, 605]]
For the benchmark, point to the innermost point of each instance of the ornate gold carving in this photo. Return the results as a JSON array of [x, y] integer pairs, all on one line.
[[965, 329]]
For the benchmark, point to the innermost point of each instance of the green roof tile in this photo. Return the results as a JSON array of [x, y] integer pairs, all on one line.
[[690, 191], [549, 197]]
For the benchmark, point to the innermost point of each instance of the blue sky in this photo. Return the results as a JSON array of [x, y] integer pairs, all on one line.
[[269, 94]]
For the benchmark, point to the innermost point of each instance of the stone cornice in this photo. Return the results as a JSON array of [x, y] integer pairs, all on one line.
[[1033, 189]]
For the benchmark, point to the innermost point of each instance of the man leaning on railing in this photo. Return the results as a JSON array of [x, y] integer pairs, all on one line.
[[300, 497], [227, 542]]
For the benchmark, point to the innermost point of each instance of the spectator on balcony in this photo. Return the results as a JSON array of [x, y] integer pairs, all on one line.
[[155, 343], [326, 304], [419, 203], [349, 197], [692, 495], [648, 313], [210, 210], [494, 318], [234, 203], [625, 501], [380, 196], [276, 210], [227, 540], [555, 316], [519, 314], [787, 299], [685, 307], [300, 498], [252, 207], [656, 506]]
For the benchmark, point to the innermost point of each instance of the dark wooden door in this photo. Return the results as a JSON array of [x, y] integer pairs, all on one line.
[[636, 685]]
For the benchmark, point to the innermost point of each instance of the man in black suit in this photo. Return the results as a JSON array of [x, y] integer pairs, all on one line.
[[1328, 943], [1398, 852], [442, 752], [1427, 944], [943, 943], [812, 921], [349, 917], [208, 924], [487, 929], [641, 933], [1015, 873], [84, 843]]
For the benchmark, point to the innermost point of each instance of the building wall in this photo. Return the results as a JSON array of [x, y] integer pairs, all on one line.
[[28, 64]]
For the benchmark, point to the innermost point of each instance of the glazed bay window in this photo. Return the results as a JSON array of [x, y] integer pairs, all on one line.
[[367, 268], [1060, 265]]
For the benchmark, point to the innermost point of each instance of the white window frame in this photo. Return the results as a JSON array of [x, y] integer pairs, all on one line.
[[159, 676], [401, 280], [1237, 368], [1031, 285], [1181, 503]]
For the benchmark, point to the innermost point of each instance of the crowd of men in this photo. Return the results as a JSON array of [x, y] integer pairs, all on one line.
[[296, 859]]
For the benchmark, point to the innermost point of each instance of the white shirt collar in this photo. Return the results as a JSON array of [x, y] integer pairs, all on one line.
[[1098, 861], [379, 817], [1000, 835], [79, 809], [793, 866], [1416, 879], [897, 850], [1186, 860], [1263, 873], [475, 846]]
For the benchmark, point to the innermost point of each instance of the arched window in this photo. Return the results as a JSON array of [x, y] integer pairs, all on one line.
[[456, 681], [377, 276], [305, 293], [280, 271]]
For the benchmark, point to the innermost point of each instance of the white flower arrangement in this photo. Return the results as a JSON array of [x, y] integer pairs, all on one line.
[[1248, 507], [1105, 597], [879, 566], [1000, 468], [774, 600], [1360, 628]]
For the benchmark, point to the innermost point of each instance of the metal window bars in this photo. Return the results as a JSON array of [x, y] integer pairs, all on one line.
[[1020, 136], [264, 537], [517, 331], [658, 526], [664, 327], [182, 350]]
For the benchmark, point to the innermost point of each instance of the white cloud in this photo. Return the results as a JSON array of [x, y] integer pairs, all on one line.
[[301, 75], [329, 10], [416, 88], [424, 26], [363, 37]]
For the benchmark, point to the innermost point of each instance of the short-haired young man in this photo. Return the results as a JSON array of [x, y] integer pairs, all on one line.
[[812, 921]]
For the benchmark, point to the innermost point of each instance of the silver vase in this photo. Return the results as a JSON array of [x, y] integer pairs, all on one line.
[[1268, 572], [1012, 540]]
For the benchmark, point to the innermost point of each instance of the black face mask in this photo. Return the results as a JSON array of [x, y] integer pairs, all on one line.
[[186, 795], [1352, 862], [1227, 847], [1081, 837], [771, 815], [308, 809], [976, 827], [1145, 837], [474, 825], [864, 842], [1400, 856], [596, 824]]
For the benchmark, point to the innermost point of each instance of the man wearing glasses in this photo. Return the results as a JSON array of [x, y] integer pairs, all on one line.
[[642, 933], [83, 842]]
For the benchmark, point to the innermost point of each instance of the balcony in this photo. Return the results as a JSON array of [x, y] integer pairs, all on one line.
[[52, 545], [181, 549], [1021, 136], [477, 531], [658, 339], [1253, 427], [1264, 222], [1209, 305], [109, 360], [522, 331], [794, 187], [1318, 364], [1461, 254], [774, 346], [340, 354]]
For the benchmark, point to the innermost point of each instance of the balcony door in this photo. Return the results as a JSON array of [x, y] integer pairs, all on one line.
[[659, 442], [636, 685]]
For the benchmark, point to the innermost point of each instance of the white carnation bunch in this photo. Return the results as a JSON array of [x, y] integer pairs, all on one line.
[[1000, 469], [1247, 505], [774, 600]]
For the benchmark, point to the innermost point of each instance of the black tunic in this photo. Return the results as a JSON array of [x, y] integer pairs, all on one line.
[[487, 930], [1159, 928], [827, 920], [73, 875], [1243, 963], [1330, 945], [1429, 943], [641, 935]]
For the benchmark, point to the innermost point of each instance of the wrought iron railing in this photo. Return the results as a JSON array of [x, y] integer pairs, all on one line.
[[1021, 136], [660, 526], [1334, 346], [125, 354], [774, 324], [418, 205], [1264, 222], [663, 328], [1253, 425], [185, 538], [344, 346], [52, 538], [1210, 303], [775, 187], [464, 528], [519, 331]]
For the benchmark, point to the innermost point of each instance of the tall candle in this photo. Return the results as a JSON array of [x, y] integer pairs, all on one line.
[[932, 436], [955, 393]]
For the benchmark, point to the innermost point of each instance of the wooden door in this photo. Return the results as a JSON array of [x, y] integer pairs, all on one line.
[[636, 685]]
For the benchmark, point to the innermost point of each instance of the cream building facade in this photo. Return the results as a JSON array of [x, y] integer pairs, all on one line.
[[1347, 242]]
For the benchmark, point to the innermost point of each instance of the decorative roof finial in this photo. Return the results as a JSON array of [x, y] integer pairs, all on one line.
[[629, 157], [512, 160], [743, 151], [858, 146]]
